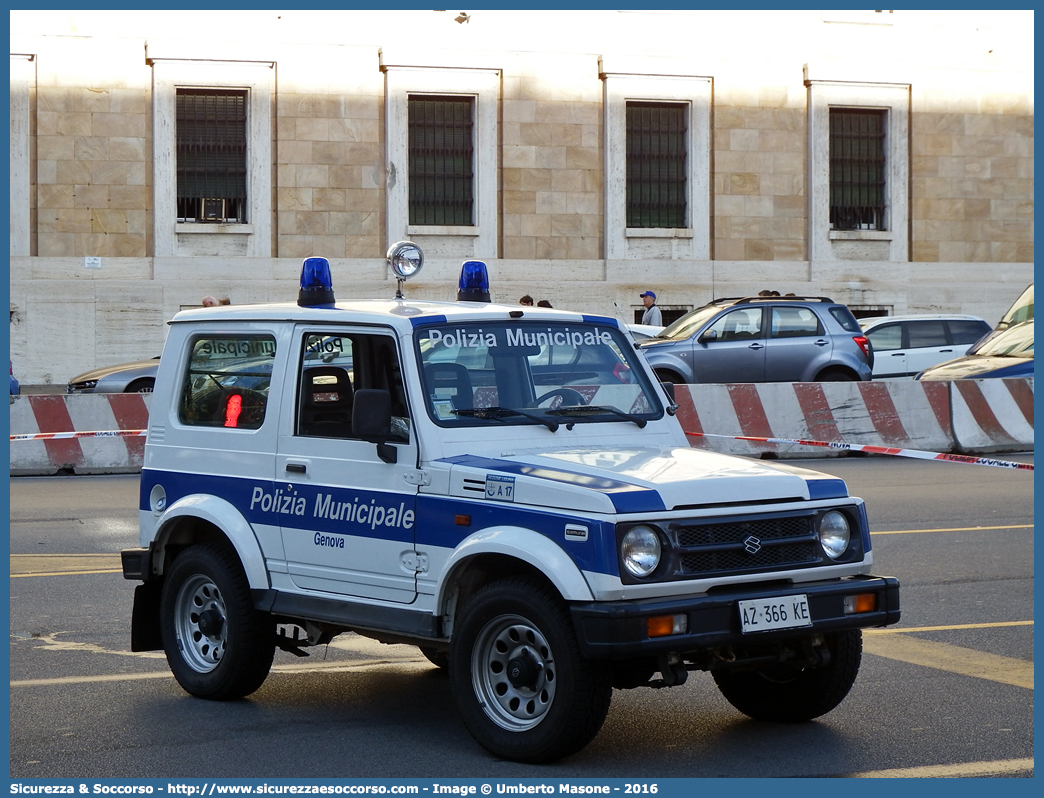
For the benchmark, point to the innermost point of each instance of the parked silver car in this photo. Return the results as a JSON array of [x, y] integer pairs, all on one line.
[[762, 339], [906, 345], [136, 377]]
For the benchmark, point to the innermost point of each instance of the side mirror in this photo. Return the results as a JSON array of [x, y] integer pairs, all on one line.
[[710, 335], [371, 421]]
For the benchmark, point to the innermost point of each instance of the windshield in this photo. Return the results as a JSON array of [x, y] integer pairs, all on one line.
[[1015, 341], [515, 372], [688, 324], [1021, 311]]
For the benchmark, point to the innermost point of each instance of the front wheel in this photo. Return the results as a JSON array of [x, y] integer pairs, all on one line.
[[520, 683], [217, 645], [788, 694]]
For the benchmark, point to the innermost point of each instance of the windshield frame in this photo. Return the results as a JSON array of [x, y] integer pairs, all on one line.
[[503, 366]]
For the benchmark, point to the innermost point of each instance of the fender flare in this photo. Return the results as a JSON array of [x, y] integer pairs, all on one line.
[[521, 544], [223, 515], [667, 361]]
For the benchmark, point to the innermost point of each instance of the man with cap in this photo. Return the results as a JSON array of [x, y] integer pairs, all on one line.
[[652, 313]]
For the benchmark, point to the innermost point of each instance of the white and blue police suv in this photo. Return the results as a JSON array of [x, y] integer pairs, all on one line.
[[506, 488]]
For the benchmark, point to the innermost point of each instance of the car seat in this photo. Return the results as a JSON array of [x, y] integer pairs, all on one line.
[[327, 403]]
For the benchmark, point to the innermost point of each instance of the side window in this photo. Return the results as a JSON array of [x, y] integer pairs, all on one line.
[[226, 382], [886, 338], [794, 323], [967, 332], [926, 333], [738, 325], [333, 367]]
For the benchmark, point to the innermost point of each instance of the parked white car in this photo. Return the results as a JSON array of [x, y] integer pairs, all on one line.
[[906, 345]]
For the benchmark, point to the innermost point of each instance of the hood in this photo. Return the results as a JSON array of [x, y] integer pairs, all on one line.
[[635, 480], [105, 371], [979, 367]]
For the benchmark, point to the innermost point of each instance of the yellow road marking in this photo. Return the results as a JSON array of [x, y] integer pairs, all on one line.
[[899, 630], [958, 770], [343, 666], [64, 564], [953, 659], [953, 529]]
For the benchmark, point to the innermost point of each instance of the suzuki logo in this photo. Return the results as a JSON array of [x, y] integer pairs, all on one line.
[[752, 545]]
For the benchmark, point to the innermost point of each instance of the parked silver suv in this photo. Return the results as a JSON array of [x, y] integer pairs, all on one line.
[[762, 339]]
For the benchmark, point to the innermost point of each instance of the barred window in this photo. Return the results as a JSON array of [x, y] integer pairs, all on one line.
[[441, 160], [857, 169], [656, 164], [211, 155]]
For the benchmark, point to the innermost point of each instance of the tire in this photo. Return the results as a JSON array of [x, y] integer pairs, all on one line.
[[141, 386], [437, 657], [786, 694], [206, 587], [835, 375], [668, 376], [556, 701]]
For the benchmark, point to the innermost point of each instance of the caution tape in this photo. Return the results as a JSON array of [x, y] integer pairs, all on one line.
[[54, 436], [858, 447]]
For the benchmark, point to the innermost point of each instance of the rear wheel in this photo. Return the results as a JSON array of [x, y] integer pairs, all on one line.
[[218, 646], [144, 385], [521, 685], [788, 694], [836, 375]]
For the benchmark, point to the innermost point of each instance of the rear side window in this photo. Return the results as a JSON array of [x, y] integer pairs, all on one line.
[[845, 318], [926, 333], [967, 332], [794, 323], [226, 381]]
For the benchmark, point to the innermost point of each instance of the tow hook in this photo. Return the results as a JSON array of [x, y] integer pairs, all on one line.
[[673, 671]]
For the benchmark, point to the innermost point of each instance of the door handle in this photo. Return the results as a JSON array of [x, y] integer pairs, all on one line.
[[945, 350], [296, 468], [756, 346], [821, 342], [898, 354]]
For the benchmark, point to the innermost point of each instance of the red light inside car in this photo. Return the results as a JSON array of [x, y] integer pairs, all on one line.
[[864, 344], [232, 410]]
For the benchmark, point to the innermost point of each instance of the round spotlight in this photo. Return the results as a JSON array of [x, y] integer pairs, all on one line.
[[405, 259]]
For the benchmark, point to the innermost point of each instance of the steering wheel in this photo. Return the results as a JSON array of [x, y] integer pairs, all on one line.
[[569, 396]]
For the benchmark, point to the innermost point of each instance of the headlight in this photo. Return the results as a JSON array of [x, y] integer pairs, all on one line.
[[640, 551], [834, 533]]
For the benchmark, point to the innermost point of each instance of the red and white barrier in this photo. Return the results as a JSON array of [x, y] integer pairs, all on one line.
[[992, 415], [63, 420], [986, 415]]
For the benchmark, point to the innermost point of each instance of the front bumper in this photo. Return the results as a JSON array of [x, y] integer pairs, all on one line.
[[619, 629]]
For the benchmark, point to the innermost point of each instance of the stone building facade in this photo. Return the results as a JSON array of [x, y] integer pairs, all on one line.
[[99, 259]]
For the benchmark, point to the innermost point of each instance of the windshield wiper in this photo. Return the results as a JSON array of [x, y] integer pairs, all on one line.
[[500, 413], [590, 410]]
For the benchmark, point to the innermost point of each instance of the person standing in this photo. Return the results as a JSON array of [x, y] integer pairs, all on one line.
[[526, 300], [652, 315]]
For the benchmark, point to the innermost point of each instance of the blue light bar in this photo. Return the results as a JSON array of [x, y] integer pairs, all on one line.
[[474, 282], [316, 283]]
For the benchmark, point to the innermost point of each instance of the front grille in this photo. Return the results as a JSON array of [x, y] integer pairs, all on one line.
[[744, 546]]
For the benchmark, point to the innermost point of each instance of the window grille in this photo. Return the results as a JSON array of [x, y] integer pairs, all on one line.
[[656, 164], [211, 155], [857, 169], [441, 160]]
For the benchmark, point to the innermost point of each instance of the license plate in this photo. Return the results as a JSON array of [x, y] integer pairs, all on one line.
[[780, 612]]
